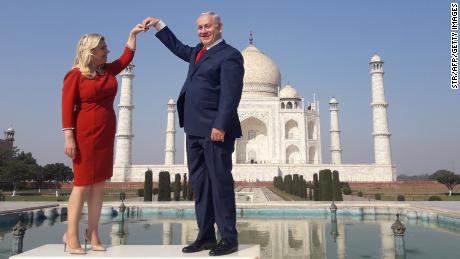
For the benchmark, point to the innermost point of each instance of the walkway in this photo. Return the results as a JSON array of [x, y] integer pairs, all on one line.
[[261, 194], [271, 196]]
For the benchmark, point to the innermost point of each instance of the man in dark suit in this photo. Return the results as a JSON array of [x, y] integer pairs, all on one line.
[[207, 108]]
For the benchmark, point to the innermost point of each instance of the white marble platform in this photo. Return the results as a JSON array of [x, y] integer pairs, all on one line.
[[136, 251]]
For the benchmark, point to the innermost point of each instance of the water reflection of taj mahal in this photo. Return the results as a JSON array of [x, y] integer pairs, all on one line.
[[280, 238]]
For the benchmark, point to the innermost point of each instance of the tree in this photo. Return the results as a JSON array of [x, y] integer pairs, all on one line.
[[336, 186], [55, 173], [58, 172], [278, 182], [177, 187], [446, 177], [315, 187], [27, 158], [302, 188], [164, 186], [15, 172], [17, 167], [190, 196], [346, 188], [6, 155], [148, 185], [184, 188], [285, 184], [325, 183], [295, 184]]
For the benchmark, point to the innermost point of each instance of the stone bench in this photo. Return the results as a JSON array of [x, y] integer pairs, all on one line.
[[246, 194], [136, 251]]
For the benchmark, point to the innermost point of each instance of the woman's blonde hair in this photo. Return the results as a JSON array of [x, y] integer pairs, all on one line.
[[85, 46]]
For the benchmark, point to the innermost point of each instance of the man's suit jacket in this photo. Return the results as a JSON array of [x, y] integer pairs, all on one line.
[[212, 90]]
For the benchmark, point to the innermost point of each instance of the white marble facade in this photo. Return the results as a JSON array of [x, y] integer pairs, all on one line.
[[281, 131]]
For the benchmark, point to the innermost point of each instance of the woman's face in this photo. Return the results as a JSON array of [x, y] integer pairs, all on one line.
[[100, 53]]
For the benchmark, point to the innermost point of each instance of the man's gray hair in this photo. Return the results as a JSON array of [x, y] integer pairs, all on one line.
[[214, 15]]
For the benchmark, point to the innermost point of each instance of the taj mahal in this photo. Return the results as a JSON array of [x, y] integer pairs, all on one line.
[[281, 130]]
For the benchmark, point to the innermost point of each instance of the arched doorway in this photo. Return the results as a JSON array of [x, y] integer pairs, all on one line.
[[252, 147], [292, 155]]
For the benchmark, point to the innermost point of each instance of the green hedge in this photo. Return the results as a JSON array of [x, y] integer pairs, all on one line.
[[346, 188], [434, 198], [164, 186], [325, 185]]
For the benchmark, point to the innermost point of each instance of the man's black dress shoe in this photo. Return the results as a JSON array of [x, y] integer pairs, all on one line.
[[224, 248], [199, 245]]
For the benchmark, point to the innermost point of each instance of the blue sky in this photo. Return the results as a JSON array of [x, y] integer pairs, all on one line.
[[320, 47]]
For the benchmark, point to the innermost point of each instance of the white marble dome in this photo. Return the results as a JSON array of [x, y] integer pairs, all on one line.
[[10, 130], [261, 75], [333, 101], [288, 92], [376, 58]]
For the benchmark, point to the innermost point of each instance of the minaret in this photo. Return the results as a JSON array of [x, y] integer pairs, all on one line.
[[170, 149], [125, 123], [379, 105], [9, 135], [336, 151], [315, 107]]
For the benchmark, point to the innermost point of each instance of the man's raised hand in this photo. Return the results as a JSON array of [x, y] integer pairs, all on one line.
[[149, 22]]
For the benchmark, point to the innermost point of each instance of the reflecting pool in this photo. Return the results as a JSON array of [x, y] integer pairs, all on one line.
[[307, 236]]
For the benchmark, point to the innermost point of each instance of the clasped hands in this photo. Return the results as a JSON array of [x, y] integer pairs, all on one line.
[[145, 25]]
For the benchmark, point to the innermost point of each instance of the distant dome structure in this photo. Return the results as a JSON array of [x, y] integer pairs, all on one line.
[[261, 75], [376, 58], [289, 92]]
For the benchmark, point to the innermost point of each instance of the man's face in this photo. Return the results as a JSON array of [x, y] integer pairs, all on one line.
[[208, 31]]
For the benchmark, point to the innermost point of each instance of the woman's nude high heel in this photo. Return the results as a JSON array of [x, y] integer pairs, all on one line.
[[98, 247], [78, 251]]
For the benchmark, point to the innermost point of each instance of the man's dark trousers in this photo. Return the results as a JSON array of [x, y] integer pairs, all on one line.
[[210, 166]]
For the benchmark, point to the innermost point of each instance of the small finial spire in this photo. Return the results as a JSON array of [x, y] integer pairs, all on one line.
[[251, 38]]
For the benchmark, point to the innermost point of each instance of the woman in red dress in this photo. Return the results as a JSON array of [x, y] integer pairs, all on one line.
[[88, 121]]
